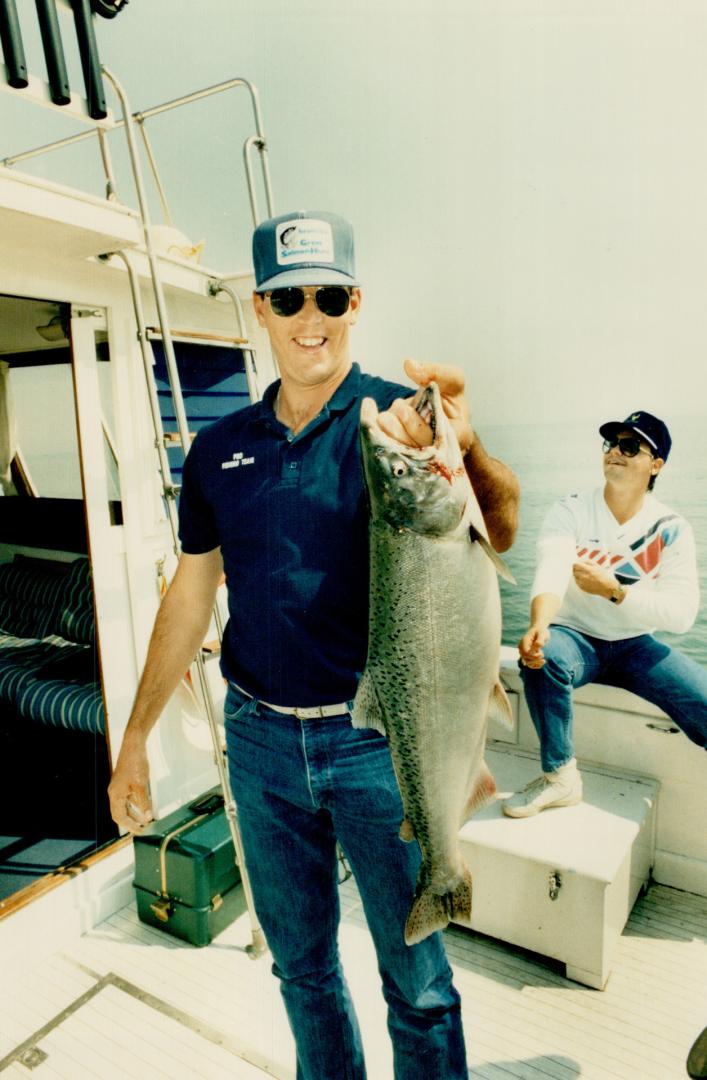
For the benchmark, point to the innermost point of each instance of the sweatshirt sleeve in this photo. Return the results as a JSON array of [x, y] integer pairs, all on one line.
[[669, 601], [556, 551]]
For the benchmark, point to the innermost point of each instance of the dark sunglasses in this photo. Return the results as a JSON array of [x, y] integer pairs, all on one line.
[[330, 299], [629, 445]]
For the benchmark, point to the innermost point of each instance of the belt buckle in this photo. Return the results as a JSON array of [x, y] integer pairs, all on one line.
[[311, 712]]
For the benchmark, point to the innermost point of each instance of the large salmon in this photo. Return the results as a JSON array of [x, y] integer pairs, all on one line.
[[431, 677]]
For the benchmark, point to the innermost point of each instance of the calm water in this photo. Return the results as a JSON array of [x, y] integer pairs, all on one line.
[[553, 459]]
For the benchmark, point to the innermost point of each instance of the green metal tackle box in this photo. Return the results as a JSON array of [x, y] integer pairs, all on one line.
[[185, 871]]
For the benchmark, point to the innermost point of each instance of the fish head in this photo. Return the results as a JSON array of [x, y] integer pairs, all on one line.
[[423, 489]]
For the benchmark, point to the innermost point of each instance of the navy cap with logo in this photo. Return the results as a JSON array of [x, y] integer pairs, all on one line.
[[307, 247], [648, 427]]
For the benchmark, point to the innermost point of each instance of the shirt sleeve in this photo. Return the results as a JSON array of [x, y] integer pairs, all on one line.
[[670, 601], [197, 526], [556, 551]]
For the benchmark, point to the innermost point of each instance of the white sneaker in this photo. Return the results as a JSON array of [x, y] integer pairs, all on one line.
[[560, 788]]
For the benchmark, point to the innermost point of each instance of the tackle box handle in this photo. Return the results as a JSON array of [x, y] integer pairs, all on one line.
[[203, 807]]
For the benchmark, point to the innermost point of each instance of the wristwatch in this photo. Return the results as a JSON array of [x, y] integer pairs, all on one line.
[[618, 594]]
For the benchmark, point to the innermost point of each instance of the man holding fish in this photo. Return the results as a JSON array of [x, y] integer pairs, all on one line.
[[291, 530]]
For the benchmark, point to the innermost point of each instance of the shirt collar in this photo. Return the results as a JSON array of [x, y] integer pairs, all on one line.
[[344, 396], [264, 410], [347, 392]]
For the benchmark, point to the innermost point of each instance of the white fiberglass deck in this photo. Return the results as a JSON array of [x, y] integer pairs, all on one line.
[[128, 1001]]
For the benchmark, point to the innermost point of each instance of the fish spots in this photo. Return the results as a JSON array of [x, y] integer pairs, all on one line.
[[433, 911]]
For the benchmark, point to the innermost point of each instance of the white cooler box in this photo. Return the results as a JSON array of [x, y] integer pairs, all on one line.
[[562, 883]]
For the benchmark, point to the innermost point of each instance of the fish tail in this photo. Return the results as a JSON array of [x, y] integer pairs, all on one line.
[[433, 911]]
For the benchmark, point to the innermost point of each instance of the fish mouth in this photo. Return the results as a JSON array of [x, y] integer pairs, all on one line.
[[425, 407], [421, 489], [427, 403]]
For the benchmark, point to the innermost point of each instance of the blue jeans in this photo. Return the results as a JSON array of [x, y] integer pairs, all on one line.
[[299, 786], [654, 671]]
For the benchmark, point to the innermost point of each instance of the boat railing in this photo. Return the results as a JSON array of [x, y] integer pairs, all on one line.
[[254, 142]]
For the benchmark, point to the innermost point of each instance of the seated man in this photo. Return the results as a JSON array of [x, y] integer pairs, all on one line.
[[614, 565]]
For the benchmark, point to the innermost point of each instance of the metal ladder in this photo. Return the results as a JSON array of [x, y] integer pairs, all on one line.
[[169, 489]]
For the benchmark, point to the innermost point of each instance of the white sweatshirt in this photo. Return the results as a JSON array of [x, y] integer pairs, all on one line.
[[653, 554]]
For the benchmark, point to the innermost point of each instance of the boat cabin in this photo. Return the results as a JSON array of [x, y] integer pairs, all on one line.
[[101, 314]]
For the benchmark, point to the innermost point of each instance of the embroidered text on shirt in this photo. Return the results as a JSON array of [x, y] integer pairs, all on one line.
[[237, 460]]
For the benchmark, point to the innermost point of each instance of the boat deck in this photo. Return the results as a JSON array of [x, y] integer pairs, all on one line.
[[128, 1001]]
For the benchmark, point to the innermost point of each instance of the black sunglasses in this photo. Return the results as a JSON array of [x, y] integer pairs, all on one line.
[[629, 445], [330, 299]]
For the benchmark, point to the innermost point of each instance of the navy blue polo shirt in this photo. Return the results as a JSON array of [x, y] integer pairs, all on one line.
[[290, 515]]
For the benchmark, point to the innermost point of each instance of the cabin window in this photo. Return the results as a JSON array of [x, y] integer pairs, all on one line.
[[39, 445], [42, 401]]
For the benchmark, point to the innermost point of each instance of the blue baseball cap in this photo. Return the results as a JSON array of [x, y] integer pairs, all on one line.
[[647, 427], [308, 247]]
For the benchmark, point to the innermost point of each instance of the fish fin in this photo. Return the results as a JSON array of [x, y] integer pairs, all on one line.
[[502, 568], [407, 831], [500, 707], [483, 791], [366, 711], [431, 912]]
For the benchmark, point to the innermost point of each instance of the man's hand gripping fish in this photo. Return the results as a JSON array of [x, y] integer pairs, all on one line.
[[431, 678]]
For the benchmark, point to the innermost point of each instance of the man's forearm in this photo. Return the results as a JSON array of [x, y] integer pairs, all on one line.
[[179, 630], [173, 646], [543, 609], [498, 491]]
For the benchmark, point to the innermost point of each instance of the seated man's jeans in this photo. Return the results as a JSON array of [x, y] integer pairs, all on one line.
[[647, 667], [300, 785]]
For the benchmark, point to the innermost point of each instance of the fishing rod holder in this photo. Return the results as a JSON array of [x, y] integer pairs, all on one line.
[[48, 19]]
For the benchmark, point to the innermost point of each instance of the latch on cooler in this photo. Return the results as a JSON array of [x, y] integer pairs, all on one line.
[[162, 909]]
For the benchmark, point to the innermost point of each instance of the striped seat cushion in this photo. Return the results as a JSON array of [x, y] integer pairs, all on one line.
[[23, 654], [75, 619], [48, 667], [18, 657], [74, 706], [29, 593], [26, 670]]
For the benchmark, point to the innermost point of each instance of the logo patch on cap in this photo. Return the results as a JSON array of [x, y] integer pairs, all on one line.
[[304, 240]]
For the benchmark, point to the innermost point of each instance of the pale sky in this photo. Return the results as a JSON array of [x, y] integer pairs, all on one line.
[[527, 178]]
